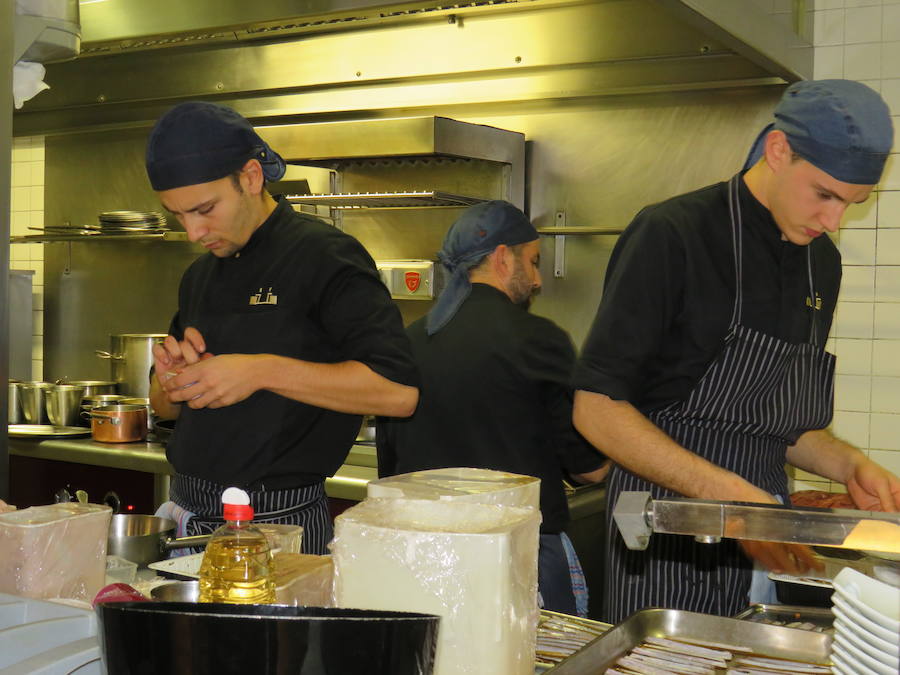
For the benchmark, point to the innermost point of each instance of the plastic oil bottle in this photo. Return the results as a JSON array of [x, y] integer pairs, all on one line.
[[237, 565]]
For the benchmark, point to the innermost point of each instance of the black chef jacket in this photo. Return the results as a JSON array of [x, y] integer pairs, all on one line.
[[669, 293], [298, 288], [495, 394]]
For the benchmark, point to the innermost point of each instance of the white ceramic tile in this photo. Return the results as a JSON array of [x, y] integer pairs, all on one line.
[[862, 62], [863, 215], [828, 27], [830, 343], [37, 198], [854, 357], [36, 173], [888, 202], [863, 25], [858, 283], [21, 174], [858, 247], [890, 24], [885, 394], [37, 322], [852, 427], [35, 219], [890, 91], [852, 393], [35, 251], [828, 62], [884, 433], [888, 251], [861, 3], [889, 459], [18, 224], [799, 474], [37, 347], [19, 145], [887, 283], [886, 357], [890, 179], [21, 199], [890, 59], [37, 369], [37, 149], [37, 301], [887, 321], [18, 254], [853, 320], [829, 4]]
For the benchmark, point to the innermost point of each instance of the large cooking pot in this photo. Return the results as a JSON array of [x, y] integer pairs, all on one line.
[[225, 639], [31, 399], [118, 423], [14, 409], [63, 404], [130, 357], [146, 539], [92, 387]]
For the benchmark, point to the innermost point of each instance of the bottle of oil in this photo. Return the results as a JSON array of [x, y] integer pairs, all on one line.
[[237, 565]]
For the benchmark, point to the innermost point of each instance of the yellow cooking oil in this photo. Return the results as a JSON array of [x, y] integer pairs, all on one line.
[[237, 569]]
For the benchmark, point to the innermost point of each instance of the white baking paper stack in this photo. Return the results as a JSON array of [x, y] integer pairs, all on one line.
[[866, 625], [474, 565], [482, 486]]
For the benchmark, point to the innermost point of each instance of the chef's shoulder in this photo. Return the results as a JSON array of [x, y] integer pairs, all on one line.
[[696, 213]]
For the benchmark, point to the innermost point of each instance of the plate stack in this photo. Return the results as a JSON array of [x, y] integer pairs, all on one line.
[[866, 625], [127, 222]]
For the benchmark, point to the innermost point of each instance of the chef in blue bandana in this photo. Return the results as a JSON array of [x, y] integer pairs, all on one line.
[[496, 390], [704, 372], [284, 335]]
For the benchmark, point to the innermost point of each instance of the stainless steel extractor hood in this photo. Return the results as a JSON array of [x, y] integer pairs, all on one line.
[[279, 59]]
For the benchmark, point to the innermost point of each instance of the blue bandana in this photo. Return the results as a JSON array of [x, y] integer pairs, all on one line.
[[199, 142], [839, 126], [478, 231]]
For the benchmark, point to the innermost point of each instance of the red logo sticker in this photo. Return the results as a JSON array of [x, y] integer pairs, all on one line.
[[412, 281]]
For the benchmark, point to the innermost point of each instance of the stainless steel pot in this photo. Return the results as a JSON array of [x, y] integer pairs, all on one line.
[[146, 539], [118, 423], [130, 357], [31, 397], [93, 387], [144, 402], [63, 403], [14, 405], [177, 591]]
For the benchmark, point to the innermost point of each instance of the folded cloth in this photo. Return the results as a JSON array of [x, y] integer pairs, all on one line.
[[579, 584], [28, 81], [181, 516]]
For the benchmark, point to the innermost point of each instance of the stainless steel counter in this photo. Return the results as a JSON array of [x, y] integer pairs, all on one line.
[[348, 483]]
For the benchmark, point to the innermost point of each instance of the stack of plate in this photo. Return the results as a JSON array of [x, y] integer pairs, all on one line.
[[866, 625], [113, 222]]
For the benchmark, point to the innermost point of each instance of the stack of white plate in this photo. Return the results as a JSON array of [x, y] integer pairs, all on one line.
[[113, 222], [866, 625]]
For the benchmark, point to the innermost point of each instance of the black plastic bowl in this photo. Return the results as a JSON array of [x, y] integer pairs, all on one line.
[[174, 638]]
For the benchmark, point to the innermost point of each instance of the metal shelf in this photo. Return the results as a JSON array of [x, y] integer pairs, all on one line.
[[125, 236], [387, 200], [579, 230]]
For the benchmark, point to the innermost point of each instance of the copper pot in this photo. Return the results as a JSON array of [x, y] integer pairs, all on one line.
[[119, 423]]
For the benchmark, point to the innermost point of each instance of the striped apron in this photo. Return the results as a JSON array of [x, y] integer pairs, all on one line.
[[754, 400], [306, 506]]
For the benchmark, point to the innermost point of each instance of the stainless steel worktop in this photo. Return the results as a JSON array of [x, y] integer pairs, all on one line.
[[349, 482]]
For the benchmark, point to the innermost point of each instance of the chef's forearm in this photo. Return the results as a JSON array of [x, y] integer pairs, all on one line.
[[627, 437], [349, 386], [823, 454]]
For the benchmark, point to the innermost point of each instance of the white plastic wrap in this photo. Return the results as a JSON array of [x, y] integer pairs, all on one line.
[[474, 565], [54, 551], [482, 486]]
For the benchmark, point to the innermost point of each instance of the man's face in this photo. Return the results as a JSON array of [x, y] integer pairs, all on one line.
[[526, 276], [218, 214], [807, 202]]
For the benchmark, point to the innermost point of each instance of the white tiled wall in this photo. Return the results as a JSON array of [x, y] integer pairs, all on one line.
[[860, 39], [27, 206]]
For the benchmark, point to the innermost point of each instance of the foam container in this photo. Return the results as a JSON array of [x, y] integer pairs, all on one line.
[[474, 565], [54, 551]]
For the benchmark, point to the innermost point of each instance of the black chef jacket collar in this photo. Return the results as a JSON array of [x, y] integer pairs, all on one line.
[[259, 234], [757, 216]]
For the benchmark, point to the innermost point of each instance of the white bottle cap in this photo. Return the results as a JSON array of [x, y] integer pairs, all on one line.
[[235, 496]]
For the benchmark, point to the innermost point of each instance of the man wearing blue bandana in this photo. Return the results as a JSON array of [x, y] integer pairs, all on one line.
[[495, 390], [704, 372], [284, 336]]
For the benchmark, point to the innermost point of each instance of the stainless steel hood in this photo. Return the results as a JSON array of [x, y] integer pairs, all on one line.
[[283, 59]]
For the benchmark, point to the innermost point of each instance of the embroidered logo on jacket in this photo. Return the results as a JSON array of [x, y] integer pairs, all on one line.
[[269, 298], [818, 305]]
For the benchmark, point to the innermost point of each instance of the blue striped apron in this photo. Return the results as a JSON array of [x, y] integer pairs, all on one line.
[[306, 506], [754, 400]]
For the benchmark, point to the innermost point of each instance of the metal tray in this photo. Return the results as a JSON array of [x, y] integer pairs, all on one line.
[[595, 657], [45, 430], [780, 615]]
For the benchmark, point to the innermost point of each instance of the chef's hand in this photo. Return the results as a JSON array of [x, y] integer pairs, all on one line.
[[171, 356], [873, 488], [215, 381]]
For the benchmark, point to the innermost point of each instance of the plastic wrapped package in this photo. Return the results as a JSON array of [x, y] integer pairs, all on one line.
[[474, 565], [303, 580], [482, 486], [54, 551]]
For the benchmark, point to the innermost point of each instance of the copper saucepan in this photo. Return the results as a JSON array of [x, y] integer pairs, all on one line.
[[118, 423]]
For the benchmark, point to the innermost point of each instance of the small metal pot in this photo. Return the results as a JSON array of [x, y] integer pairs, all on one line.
[[31, 397], [14, 410], [93, 387], [63, 402], [144, 402], [146, 539], [118, 423]]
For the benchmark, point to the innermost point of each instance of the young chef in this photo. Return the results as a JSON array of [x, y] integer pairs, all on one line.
[[284, 333], [496, 390], [705, 370]]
